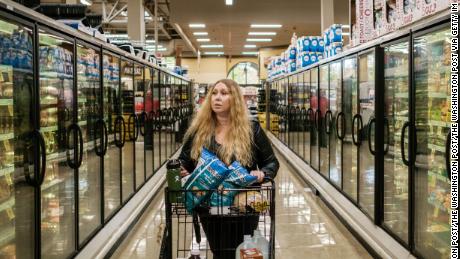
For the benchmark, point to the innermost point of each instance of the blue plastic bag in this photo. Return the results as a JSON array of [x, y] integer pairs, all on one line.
[[208, 175]]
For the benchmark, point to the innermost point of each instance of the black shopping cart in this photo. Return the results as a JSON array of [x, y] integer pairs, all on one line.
[[217, 230]]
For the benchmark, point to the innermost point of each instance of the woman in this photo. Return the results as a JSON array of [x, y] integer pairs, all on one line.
[[222, 125]]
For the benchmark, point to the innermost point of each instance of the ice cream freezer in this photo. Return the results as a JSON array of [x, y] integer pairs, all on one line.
[[70, 153], [376, 128]]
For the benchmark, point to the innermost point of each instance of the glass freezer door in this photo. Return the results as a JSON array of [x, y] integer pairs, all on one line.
[[157, 147], [88, 116], [323, 119], [336, 125], [314, 162], [350, 108], [396, 174], [111, 111], [365, 122], [57, 124], [129, 134], [309, 112], [17, 176], [432, 122], [139, 110], [148, 122]]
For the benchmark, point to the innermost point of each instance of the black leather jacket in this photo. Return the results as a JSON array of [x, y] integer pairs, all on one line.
[[262, 153]]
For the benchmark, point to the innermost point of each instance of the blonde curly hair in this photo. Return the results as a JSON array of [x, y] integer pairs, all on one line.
[[238, 139]]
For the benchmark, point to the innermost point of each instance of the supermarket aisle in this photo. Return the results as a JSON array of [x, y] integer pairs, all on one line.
[[305, 227]]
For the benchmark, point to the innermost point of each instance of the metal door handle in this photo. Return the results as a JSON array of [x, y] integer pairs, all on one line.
[[403, 136], [371, 122], [142, 123], [42, 152], [316, 118], [80, 137], [356, 141], [328, 123], [387, 128], [132, 117], [70, 161], [99, 126], [340, 115]]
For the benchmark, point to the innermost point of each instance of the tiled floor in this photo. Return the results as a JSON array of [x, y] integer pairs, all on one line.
[[305, 227]]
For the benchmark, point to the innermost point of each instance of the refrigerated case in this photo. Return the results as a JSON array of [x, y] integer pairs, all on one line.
[[309, 111], [157, 147], [431, 123], [146, 127], [314, 119], [115, 133], [140, 118], [88, 119], [19, 172], [336, 123], [323, 120]]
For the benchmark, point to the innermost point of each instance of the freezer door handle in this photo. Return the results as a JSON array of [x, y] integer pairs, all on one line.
[[328, 121], [135, 128], [70, 132], [357, 140], [106, 138], [120, 128], [340, 116], [42, 152], [369, 134], [387, 134], [80, 147], [99, 128], [316, 122], [447, 156], [142, 123], [309, 115], [403, 136]]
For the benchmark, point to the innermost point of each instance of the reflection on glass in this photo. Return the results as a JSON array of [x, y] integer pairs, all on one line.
[[16, 196], [314, 162], [127, 106], [396, 174], [157, 147], [335, 102], [139, 109], [88, 97], [148, 123], [350, 151], [307, 122], [323, 107], [302, 115], [111, 104], [164, 140], [366, 110], [432, 120], [56, 109]]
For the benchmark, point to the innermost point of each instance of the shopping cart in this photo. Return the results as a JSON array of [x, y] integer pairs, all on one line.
[[217, 230]]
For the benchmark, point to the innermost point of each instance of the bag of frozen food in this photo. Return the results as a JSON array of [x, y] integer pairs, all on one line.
[[208, 175], [237, 178], [250, 201]]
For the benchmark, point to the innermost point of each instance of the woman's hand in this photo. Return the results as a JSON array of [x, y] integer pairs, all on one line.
[[260, 175], [183, 172]]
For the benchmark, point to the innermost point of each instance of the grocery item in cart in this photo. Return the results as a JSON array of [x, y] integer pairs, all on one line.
[[250, 200], [237, 178], [208, 175]]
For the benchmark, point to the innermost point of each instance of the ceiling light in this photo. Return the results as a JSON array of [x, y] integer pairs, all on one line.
[[260, 33], [258, 40], [214, 53], [146, 14], [116, 36], [218, 46], [250, 53], [266, 25], [197, 25], [153, 46], [250, 46], [203, 40], [229, 2], [200, 33], [86, 2], [150, 41]]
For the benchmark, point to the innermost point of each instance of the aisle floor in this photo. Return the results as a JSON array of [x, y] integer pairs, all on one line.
[[305, 227]]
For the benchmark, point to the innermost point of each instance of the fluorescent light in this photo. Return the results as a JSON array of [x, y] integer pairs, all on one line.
[[250, 46], [197, 25], [229, 2], [117, 36], [213, 46], [260, 33], [203, 40], [153, 46], [150, 41], [85, 2], [346, 26], [200, 33], [119, 41], [258, 40], [214, 53], [250, 53], [345, 33], [266, 25]]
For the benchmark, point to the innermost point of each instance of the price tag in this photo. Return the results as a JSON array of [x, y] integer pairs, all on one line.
[[10, 213]]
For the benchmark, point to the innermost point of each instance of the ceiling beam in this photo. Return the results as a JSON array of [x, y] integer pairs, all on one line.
[[185, 38], [110, 18]]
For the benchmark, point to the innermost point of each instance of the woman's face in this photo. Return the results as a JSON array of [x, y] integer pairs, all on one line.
[[220, 99]]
